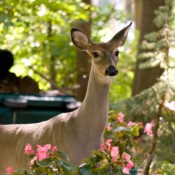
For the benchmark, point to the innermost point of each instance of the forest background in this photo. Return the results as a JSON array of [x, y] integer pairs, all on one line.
[[39, 38], [38, 34]]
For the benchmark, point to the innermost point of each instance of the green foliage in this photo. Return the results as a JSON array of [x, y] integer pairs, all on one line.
[[99, 165], [166, 168], [39, 37], [102, 23], [158, 102], [151, 104], [157, 45], [125, 134], [57, 163]]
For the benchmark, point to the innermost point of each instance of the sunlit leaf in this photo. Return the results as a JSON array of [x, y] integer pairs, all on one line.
[[69, 169], [44, 163]]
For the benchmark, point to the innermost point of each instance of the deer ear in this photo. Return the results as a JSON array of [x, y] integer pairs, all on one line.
[[79, 39], [121, 36]]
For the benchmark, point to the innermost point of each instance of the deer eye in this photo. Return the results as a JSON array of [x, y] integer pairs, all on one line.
[[95, 54], [117, 53]]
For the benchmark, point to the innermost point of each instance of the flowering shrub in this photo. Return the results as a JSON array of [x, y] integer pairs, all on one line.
[[46, 160], [126, 135], [107, 160], [113, 157]]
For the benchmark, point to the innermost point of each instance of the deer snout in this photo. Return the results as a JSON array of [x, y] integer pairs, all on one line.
[[111, 71]]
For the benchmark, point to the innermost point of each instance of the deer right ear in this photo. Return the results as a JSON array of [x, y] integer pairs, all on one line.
[[121, 36], [79, 39]]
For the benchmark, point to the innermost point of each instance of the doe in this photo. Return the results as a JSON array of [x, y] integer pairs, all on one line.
[[77, 133]]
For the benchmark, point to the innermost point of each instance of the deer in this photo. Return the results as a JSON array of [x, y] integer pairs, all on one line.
[[75, 133]]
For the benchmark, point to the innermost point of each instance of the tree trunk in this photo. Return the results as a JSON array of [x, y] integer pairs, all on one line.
[[145, 78], [83, 60], [52, 58], [137, 13]]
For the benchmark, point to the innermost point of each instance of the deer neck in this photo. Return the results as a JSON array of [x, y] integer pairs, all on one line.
[[94, 109]]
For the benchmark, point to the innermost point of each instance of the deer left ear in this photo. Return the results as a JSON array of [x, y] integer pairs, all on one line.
[[79, 39], [121, 36]]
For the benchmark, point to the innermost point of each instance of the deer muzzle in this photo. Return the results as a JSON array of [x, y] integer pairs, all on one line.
[[111, 71]]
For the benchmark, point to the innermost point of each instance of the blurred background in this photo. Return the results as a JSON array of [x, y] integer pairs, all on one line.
[[37, 32]]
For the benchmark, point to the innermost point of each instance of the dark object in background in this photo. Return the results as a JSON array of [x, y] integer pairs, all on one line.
[[9, 82], [19, 108], [20, 101]]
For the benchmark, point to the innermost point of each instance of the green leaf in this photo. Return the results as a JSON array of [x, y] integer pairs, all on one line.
[[85, 169], [135, 131], [20, 172], [42, 170], [44, 163], [69, 169], [122, 129], [61, 155]]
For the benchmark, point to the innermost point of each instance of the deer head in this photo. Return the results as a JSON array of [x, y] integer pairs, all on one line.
[[104, 55]]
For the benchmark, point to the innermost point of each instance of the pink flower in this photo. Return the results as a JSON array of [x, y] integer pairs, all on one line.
[[28, 149], [108, 142], [125, 170], [120, 117], [148, 129], [115, 153], [128, 164], [102, 147], [42, 152], [33, 160], [130, 123], [54, 148], [108, 127], [126, 156], [9, 170], [47, 146]]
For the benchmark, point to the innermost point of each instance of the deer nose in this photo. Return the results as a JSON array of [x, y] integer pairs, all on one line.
[[111, 71]]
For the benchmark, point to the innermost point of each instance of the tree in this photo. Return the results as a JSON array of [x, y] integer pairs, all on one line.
[[137, 13], [145, 78], [83, 60]]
